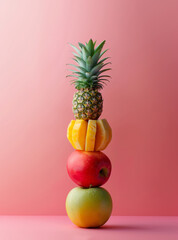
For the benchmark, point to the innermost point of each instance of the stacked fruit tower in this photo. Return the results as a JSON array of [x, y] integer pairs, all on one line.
[[89, 205]]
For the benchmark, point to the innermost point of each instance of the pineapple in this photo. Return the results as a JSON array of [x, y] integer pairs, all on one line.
[[92, 135], [88, 79]]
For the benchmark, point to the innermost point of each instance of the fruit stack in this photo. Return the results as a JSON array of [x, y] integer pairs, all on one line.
[[89, 205]]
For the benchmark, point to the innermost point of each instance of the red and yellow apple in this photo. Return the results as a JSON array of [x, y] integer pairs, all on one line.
[[88, 207], [89, 169]]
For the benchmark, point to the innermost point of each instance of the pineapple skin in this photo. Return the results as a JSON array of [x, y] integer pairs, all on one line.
[[87, 104]]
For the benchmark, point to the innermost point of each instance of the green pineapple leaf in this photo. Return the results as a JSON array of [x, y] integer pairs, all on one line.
[[104, 70], [103, 79], [85, 53], [78, 67], [80, 61], [76, 49], [72, 75], [89, 66], [100, 46], [75, 54], [105, 64], [104, 76], [95, 57], [103, 53], [90, 47], [94, 77], [89, 63], [81, 45], [96, 69], [79, 73], [104, 59]]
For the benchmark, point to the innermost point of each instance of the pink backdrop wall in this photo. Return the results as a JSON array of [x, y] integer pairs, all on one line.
[[141, 102]]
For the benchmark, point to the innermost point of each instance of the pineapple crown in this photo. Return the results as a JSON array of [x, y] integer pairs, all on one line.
[[90, 73]]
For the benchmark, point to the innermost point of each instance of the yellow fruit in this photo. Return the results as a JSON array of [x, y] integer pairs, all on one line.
[[79, 134], [69, 132], [94, 135], [103, 134], [90, 137], [88, 207], [109, 130]]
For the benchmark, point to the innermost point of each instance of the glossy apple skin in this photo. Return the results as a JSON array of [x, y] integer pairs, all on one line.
[[88, 207], [89, 169]]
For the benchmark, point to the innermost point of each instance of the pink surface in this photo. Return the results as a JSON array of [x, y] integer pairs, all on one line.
[[55, 228], [140, 103]]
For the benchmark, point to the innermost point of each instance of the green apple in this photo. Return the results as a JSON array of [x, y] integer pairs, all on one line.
[[88, 207]]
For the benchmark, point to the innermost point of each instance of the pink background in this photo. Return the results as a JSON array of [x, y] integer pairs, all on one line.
[[140, 103]]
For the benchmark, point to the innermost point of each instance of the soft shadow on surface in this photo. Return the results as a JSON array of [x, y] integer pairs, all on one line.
[[155, 228], [125, 227], [120, 227]]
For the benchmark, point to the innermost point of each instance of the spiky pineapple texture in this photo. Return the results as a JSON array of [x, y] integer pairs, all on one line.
[[87, 104], [90, 73]]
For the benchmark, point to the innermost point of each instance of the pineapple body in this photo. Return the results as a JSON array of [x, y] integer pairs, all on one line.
[[89, 77], [87, 104]]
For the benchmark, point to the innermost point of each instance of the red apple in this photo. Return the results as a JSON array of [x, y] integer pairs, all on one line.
[[89, 169]]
